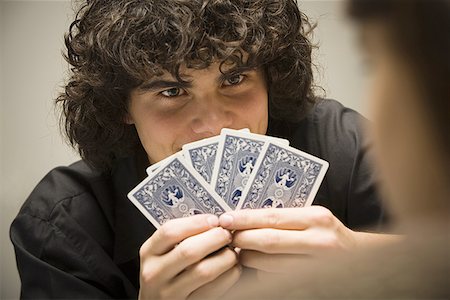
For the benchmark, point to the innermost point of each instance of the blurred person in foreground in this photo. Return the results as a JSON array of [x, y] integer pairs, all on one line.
[[408, 46]]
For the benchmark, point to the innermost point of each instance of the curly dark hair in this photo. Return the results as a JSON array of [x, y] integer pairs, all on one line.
[[113, 46]]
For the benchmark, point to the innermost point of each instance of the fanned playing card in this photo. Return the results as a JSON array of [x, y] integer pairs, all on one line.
[[175, 190], [236, 157], [283, 177], [201, 155], [152, 168]]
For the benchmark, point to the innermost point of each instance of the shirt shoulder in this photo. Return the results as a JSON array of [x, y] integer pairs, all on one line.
[[76, 200], [63, 184], [65, 233], [330, 129], [337, 134]]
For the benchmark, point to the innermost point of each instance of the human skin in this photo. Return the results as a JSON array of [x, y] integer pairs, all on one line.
[[169, 114], [409, 161], [407, 155], [177, 260]]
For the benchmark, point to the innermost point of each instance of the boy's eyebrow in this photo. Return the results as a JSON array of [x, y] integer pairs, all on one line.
[[159, 84], [234, 71]]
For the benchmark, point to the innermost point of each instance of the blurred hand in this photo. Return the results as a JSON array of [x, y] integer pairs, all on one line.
[[188, 258]]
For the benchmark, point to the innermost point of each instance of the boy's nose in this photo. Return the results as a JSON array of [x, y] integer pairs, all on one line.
[[211, 118]]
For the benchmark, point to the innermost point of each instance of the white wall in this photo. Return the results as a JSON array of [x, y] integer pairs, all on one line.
[[4, 216], [32, 70], [340, 70]]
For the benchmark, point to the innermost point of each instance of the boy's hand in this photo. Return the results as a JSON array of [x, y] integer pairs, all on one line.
[[187, 257], [276, 239]]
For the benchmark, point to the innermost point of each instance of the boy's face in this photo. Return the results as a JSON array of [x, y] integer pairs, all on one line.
[[168, 114]]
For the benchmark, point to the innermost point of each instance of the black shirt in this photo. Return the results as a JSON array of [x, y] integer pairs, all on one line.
[[78, 236]]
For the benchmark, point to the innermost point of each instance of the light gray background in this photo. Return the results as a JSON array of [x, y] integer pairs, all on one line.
[[32, 72]]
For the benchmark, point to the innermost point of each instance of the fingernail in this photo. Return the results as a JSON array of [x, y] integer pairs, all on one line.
[[226, 220], [229, 235], [213, 221]]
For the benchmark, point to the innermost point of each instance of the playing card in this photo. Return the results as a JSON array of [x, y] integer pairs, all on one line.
[[283, 177], [202, 154], [152, 168], [237, 153], [175, 190]]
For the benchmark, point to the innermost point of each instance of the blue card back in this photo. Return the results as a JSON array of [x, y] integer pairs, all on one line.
[[283, 177]]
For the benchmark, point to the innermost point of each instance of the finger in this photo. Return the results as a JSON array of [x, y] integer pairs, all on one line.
[[281, 218], [156, 270], [195, 248], [204, 271], [270, 240], [176, 230], [274, 263], [218, 287]]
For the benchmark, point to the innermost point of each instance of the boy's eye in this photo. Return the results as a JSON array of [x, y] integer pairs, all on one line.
[[173, 92], [234, 80]]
